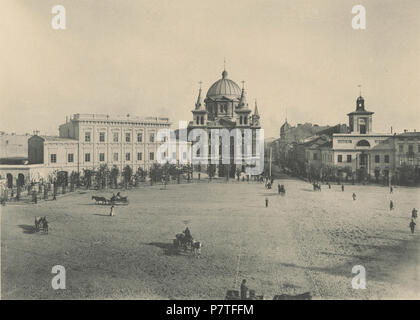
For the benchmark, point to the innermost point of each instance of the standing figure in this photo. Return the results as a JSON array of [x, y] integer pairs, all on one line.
[[414, 213], [391, 205], [187, 234], [412, 225], [278, 187], [354, 196], [342, 187], [244, 290], [390, 189], [111, 213], [329, 185], [266, 202]]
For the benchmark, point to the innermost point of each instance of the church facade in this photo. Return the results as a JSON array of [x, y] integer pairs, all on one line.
[[225, 107]]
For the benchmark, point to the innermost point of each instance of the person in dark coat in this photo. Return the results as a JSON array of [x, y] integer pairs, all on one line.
[[244, 290], [354, 196], [342, 187], [391, 205], [266, 202], [187, 234], [412, 225], [414, 213]]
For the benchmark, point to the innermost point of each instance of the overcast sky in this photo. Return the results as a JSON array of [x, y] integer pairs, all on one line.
[[146, 58]]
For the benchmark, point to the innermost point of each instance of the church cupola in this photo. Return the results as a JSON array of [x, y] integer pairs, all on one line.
[[360, 104]]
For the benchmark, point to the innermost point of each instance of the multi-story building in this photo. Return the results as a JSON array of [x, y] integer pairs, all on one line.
[[407, 148], [87, 141]]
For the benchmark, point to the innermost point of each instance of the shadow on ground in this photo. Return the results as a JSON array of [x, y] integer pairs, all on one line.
[[168, 248], [27, 228]]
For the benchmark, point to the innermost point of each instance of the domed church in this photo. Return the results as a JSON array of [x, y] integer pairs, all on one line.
[[225, 106]]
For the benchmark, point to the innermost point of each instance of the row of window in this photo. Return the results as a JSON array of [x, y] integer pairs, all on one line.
[[115, 137], [410, 148], [70, 157], [377, 158]]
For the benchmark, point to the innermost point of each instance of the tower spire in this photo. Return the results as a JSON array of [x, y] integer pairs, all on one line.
[[242, 100], [256, 108], [199, 103]]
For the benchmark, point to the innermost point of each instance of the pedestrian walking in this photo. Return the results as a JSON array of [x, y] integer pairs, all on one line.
[[354, 196], [414, 213], [390, 189], [412, 226], [329, 185], [391, 205], [54, 197], [266, 202], [112, 212], [342, 187]]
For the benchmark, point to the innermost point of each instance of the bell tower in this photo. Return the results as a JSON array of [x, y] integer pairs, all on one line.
[[360, 121]]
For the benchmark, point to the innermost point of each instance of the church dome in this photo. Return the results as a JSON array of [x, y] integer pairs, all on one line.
[[224, 87]]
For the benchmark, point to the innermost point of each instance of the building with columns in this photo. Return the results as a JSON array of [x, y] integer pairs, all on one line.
[[225, 107]]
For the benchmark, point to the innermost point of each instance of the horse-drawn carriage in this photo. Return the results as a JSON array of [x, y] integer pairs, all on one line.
[[41, 223], [317, 186], [186, 243], [114, 200], [281, 189]]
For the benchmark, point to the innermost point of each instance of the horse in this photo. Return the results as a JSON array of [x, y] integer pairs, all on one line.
[[38, 222], [196, 247], [41, 221], [99, 199], [317, 186]]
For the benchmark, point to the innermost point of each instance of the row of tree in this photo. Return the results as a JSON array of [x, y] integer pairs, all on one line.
[[104, 176]]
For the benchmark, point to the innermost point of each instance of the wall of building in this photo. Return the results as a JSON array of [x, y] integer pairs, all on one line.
[[13, 146], [35, 150]]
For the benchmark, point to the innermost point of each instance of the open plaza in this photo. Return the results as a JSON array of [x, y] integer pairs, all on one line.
[[304, 241]]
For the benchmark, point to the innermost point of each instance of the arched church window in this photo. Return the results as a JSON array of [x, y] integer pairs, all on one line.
[[221, 108], [198, 120], [246, 120], [240, 120], [363, 143], [202, 119]]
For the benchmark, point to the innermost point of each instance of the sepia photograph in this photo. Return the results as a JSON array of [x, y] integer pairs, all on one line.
[[210, 150]]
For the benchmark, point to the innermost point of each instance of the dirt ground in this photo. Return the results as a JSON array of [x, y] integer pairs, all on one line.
[[304, 241]]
